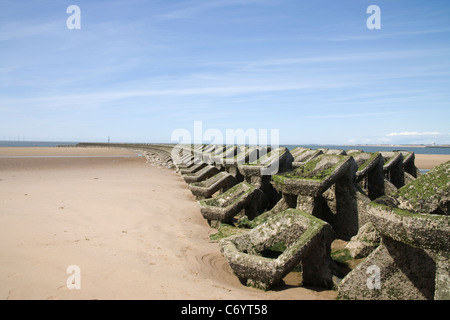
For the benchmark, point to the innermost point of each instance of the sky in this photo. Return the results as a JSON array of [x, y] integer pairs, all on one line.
[[142, 70]]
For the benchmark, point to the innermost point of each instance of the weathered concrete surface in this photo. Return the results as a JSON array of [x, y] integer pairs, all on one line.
[[193, 169], [278, 160], [370, 175], [303, 155], [310, 181], [413, 258], [315, 177], [207, 172], [429, 193], [392, 272], [260, 171], [224, 207], [293, 237], [367, 240], [393, 168], [205, 189]]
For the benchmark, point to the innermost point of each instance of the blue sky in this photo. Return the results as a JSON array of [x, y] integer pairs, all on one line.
[[139, 70]]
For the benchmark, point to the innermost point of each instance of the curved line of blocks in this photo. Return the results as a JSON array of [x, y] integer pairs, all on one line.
[[298, 201]]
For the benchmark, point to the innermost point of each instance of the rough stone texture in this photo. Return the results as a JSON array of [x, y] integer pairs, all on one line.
[[409, 164], [405, 273], [193, 169], [243, 155], [315, 177], [267, 253], [200, 175], [258, 173], [205, 189], [426, 231], [370, 175], [430, 193], [278, 160], [303, 155], [367, 239], [310, 181], [224, 207], [442, 283], [227, 154], [413, 258], [393, 168]]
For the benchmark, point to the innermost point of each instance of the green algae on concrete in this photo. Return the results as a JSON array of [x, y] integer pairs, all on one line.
[[315, 176], [224, 207], [301, 238], [429, 193]]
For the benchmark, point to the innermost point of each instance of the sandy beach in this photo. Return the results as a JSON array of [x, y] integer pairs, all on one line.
[[134, 230], [429, 161]]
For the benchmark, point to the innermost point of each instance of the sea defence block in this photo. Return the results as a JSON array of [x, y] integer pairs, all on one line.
[[338, 152], [259, 172], [429, 193], [205, 189], [278, 160], [370, 174], [303, 155], [227, 205], [409, 164], [263, 256], [193, 169], [308, 182], [209, 152], [206, 172], [414, 256], [243, 155], [226, 153], [316, 176], [393, 168]]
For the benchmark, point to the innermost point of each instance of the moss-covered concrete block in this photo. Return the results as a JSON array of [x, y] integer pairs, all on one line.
[[228, 204], [314, 177], [205, 189], [413, 259], [278, 160], [200, 175], [304, 155], [429, 193], [267, 253]]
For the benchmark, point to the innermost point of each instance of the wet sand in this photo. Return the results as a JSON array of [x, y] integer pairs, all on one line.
[[134, 230]]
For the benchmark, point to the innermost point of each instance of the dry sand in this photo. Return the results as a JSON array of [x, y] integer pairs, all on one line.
[[134, 230], [429, 161]]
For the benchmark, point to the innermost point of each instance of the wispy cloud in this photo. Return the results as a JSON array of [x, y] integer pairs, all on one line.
[[97, 98], [382, 35], [192, 8], [413, 134], [350, 115], [19, 30]]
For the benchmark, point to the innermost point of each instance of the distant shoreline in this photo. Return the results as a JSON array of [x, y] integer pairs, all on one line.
[[403, 145], [31, 143]]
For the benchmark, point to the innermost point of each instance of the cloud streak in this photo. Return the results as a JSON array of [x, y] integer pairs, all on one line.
[[412, 134]]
